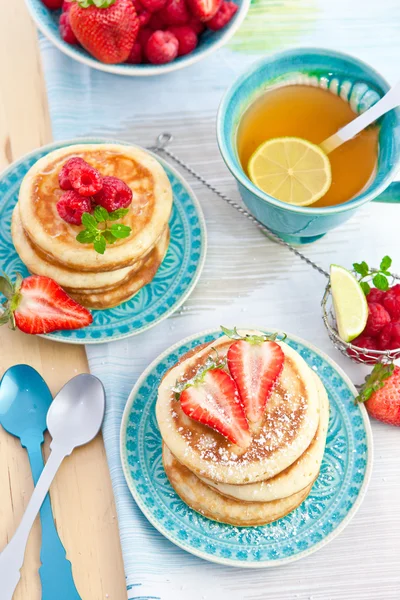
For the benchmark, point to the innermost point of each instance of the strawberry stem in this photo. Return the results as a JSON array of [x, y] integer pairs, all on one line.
[[253, 339], [375, 381], [199, 377]]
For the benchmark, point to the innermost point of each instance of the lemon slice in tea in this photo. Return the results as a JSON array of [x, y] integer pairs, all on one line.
[[291, 169], [349, 302]]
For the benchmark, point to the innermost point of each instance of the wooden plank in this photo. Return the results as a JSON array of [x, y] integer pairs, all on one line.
[[82, 496]]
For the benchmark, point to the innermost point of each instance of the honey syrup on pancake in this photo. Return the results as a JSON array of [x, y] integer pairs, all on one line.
[[284, 413], [46, 192]]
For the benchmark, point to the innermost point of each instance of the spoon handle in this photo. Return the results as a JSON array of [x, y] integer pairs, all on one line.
[[12, 557], [55, 571], [390, 100]]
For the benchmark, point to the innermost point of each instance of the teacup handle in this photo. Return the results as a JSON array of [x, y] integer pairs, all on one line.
[[391, 195]]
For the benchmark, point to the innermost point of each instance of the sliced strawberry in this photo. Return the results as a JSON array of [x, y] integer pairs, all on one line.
[[255, 367], [38, 305], [204, 9], [214, 401]]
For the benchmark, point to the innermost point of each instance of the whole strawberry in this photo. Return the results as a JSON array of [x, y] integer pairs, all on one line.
[[107, 29], [381, 393]]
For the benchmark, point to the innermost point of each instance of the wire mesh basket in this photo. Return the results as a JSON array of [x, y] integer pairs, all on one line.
[[360, 355]]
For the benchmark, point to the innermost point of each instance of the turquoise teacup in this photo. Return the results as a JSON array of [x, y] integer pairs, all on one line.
[[356, 82]]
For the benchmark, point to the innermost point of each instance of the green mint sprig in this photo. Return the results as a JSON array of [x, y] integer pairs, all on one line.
[[106, 234], [378, 277]]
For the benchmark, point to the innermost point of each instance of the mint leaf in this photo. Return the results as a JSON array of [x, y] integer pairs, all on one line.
[[118, 214], [386, 263], [86, 236], [89, 221], [100, 214], [109, 237], [380, 282], [100, 244], [366, 288], [120, 231], [361, 268]]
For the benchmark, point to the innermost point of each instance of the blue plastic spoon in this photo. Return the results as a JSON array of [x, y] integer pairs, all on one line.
[[24, 402]]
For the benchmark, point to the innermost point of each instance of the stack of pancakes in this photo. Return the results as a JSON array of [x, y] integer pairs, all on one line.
[[275, 474], [47, 244]]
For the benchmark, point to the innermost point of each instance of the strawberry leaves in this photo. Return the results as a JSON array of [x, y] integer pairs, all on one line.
[[379, 277], [375, 380], [97, 3], [97, 231]]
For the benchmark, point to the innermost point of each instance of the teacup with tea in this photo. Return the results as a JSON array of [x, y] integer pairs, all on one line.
[[307, 95]]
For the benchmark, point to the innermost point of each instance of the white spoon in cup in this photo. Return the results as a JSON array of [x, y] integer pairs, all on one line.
[[390, 100], [74, 419]]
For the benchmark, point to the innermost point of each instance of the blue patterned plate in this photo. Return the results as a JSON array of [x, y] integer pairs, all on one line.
[[173, 283], [333, 501], [47, 22]]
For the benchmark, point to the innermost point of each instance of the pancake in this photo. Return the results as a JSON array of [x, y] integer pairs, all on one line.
[[293, 479], [148, 214], [125, 291], [290, 423], [208, 502], [67, 278]]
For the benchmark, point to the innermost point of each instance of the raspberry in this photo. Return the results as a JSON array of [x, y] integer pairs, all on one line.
[[376, 295], [136, 55], [362, 341], [115, 194], [186, 37], [395, 289], [143, 36], [153, 5], [66, 6], [162, 47], [389, 338], [71, 207], [85, 180], [392, 304], [63, 176], [197, 26], [175, 12], [378, 317], [66, 30], [53, 4], [156, 23], [223, 16], [144, 18]]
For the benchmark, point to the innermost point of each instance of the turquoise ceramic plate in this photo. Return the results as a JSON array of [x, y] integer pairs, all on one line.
[[173, 283], [47, 22], [333, 501]]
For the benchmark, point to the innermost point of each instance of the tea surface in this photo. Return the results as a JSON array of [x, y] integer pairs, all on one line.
[[313, 114]]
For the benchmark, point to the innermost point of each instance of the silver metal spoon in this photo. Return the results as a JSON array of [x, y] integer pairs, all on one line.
[[74, 419]]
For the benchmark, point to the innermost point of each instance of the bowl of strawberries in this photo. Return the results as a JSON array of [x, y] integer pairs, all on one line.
[[138, 37], [378, 337]]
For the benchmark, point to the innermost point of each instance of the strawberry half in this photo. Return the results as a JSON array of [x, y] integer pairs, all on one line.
[[214, 401], [255, 364], [39, 305], [204, 9]]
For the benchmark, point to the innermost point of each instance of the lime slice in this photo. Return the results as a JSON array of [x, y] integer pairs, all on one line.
[[349, 302], [291, 169]]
